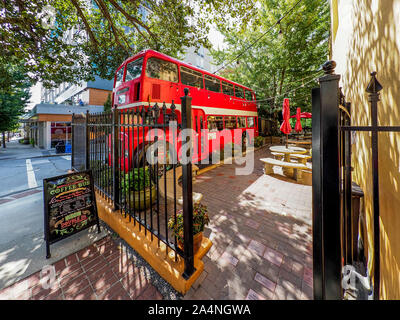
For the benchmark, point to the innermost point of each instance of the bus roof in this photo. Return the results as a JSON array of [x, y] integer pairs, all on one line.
[[155, 53]]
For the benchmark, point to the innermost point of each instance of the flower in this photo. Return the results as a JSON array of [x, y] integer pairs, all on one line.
[[200, 220]]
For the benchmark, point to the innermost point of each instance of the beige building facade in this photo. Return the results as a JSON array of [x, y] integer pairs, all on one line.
[[365, 37]]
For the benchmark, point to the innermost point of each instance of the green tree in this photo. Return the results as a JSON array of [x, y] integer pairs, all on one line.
[[285, 61], [91, 38], [107, 104], [14, 94]]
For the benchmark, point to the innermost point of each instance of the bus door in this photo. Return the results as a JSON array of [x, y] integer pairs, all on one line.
[[198, 124]]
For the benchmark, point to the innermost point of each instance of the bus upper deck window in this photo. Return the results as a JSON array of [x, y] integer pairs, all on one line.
[[212, 84], [191, 77], [134, 69], [227, 88], [163, 70], [239, 92], [248, 95]]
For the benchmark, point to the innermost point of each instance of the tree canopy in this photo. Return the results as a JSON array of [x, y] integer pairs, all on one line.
[[286, 60], [14, 93], [73, 40]]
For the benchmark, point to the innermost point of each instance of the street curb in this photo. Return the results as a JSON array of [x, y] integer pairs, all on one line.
[[34, 157]]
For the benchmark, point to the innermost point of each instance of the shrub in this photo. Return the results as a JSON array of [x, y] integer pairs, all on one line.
[[138, 179], [258, 141]]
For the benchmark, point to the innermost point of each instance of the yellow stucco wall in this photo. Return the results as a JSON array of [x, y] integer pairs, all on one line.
[[366, 38]]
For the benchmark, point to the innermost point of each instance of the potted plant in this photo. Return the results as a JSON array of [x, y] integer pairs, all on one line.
[[136, 188], [200, 220]]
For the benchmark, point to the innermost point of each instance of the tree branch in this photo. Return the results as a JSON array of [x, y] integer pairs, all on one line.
[[115, 31], [135, 22], [86, 23]]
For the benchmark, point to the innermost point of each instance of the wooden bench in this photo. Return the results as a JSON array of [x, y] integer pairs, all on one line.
[[302, 158], [296, 166], [169, 176]]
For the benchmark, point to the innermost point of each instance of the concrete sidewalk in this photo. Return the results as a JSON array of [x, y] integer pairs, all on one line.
[[16, 150]]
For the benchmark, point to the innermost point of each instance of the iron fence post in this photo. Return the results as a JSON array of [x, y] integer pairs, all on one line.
[[373, 89], [318, 281], [187, 191], [326, 147], [87, 164], [115, 158], [72, 140]]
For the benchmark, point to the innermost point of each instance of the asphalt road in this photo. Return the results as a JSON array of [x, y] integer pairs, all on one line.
[[22, 245], [14, 176]]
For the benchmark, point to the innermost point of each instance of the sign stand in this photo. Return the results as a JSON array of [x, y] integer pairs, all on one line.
[[69, 206]]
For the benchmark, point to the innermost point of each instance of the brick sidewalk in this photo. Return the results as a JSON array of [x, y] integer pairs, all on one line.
[[261, 232], [101, 271], [262, 247]]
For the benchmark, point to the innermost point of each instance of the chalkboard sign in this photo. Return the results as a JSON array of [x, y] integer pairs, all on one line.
[[69, 206]]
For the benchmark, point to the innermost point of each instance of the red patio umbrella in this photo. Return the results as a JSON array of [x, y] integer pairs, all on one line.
[[286, 127], [303, 115], [298, 127]]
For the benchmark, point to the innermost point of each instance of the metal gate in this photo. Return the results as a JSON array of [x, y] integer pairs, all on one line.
[[339, 264]]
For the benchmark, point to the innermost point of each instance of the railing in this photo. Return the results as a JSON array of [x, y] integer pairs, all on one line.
[[118, 147], [334, 255]]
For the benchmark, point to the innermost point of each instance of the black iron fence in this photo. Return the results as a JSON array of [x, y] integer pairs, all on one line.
[[119, 149], [336, 211]]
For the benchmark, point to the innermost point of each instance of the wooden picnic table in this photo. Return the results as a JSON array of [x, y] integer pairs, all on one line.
[[287, 152], [300, 142]]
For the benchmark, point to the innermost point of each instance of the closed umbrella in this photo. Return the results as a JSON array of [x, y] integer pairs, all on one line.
[[298, 127], [286, 127]]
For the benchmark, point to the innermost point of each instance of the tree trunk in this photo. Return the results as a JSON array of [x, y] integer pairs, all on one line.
[[4, 139], [282, 78]]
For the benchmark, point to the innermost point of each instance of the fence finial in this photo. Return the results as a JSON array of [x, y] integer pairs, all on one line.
[[374, 86], [186, 90], [329, 67]]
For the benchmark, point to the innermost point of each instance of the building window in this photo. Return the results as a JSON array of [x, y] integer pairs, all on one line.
[[60, 132], [230, 122], [191, 77], [134, 69], [163, 70], [215, 123], [212, 84], [241, 122]]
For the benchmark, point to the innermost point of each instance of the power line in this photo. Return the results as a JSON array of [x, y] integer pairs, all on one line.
[[259, 38], [285, 93], [303, 85]]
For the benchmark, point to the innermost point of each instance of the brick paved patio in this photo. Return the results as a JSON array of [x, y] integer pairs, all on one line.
[[101, 271], [261, 230], [262, 247]]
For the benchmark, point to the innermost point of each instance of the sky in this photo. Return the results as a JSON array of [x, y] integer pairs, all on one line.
[[215, 37]]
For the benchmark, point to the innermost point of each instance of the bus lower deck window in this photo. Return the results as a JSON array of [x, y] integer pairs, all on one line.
[[215, 123], [250, 122], [230, 122], [242, 122]]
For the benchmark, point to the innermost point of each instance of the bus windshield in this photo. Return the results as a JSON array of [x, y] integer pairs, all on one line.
[[134, 69]]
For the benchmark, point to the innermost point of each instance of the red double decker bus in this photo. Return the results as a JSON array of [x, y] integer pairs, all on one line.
[[218, 104]]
